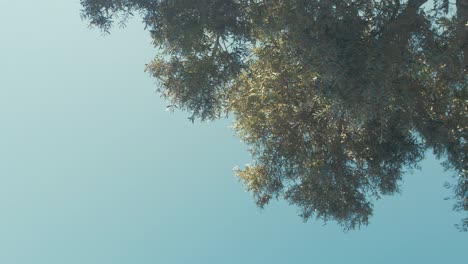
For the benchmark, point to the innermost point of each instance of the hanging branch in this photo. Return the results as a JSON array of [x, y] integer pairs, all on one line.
[[462, 29]]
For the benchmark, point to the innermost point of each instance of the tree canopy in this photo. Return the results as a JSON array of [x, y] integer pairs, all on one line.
[[336, 98]]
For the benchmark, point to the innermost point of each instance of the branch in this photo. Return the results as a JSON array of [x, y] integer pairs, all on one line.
[[403, 20], [416, 3], [462, 29], [407, 17]]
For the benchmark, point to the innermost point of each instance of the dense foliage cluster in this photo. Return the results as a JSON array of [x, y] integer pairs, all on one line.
[[336, 98]]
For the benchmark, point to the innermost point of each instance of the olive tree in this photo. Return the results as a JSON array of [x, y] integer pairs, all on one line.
[[336, 98]]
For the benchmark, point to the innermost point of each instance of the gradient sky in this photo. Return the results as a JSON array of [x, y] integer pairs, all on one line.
[[93, 170]]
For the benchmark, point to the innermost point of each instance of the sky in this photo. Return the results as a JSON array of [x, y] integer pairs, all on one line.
[[93, 170]]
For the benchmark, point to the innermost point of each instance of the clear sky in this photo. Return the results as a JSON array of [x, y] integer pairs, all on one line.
[[93, 170]]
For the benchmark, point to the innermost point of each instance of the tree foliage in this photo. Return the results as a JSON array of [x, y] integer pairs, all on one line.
[[336, 98]]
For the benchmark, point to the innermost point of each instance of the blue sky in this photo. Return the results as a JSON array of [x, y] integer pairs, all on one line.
[[93, 170]]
